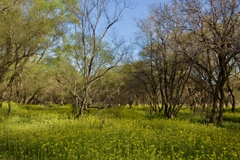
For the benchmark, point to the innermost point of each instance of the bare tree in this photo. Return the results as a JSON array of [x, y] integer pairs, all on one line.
[[94, 51], [215, 26], [168, 69]]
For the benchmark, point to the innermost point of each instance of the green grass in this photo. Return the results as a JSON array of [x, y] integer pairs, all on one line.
[[43, 132]]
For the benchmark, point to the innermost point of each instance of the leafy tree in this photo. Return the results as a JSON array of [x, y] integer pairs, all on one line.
[[106, 90], [37, 84], [27, 29], [132, 90]]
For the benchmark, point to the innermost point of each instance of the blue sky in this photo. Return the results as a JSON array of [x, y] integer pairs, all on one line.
[[127, 26]]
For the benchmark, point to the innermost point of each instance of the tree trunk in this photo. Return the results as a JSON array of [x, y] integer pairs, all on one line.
[[1, 102], [233, 102], [30, 99], [165, 109], [221, 103], [168, 111], [9, 101], [76, 106], [214, 109], [2, 92], [85, 100], [131, 100], [223, 77], [9, 107]]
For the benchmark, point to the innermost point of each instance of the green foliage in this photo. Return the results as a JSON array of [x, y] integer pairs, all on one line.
[[37, 132]]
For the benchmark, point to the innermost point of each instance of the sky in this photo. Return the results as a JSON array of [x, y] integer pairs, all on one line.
[[127, 26]]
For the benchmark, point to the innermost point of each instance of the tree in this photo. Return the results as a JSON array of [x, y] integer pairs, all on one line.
[[106, 90], [167, 71], [132, 88], [215, 26], [37, 84], [27, 29], [93, 51]]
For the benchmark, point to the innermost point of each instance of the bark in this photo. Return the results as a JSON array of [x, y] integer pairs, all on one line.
[[165, 109], [221, 103], [1, 102], [76, 105], [215, 103], [85, 101], [9, 107], [2, 92], [233, 102], [31, 98], [131, 100]]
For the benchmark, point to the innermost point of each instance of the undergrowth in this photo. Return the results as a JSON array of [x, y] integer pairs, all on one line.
[[43, 132]]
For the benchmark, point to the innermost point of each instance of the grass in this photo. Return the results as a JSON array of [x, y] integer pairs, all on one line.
[[43, 132]]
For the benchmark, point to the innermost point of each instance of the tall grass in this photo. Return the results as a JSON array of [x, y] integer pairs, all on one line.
[[38, 132]]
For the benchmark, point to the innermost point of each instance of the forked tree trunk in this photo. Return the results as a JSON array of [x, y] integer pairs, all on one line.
[[85, 101]]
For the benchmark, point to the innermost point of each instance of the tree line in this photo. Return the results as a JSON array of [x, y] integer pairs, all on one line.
[[63, 52]]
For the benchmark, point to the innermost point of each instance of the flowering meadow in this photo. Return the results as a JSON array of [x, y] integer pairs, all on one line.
[[51, 133]]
